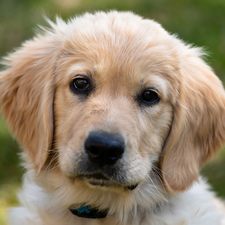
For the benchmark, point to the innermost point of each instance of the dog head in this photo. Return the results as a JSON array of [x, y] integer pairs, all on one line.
[[111, 96]]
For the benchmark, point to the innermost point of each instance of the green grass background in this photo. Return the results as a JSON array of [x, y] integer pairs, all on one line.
[[201, 22]]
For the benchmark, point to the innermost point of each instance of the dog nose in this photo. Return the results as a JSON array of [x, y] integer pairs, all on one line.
[[104, 148]]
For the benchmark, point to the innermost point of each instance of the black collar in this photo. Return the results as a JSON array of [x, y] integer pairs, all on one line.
[[89, 212]]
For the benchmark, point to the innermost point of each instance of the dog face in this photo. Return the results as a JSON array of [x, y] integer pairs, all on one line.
[[108, 98], [121, 99]]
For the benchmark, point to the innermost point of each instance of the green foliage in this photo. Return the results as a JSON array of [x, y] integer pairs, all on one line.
[[9, 156], [200, 22], [214, 171], [7, 199]]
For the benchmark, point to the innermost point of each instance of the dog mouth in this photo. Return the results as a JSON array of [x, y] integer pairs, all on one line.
[[99, 179], [96, 176]]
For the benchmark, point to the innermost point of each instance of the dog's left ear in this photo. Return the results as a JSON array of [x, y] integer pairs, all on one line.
[[27, 93], [198, 129]]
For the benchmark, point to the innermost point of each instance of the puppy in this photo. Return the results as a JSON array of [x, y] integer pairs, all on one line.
[[116, 117]]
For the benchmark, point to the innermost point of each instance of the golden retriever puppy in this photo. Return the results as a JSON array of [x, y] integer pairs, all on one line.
[[116, 117]]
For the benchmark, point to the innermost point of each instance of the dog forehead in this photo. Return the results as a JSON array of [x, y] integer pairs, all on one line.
[[118, 34]]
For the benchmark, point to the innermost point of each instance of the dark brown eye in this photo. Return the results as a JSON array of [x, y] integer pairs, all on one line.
[[81, 84], [149, 97]]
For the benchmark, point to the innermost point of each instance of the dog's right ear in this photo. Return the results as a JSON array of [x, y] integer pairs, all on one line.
[[27, 93]]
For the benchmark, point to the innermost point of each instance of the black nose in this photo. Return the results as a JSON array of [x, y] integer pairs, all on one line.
[[104, 148]]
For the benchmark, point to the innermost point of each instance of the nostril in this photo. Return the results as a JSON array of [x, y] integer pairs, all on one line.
[[104, 148], [112, 155], [93, 151], [115, 153]]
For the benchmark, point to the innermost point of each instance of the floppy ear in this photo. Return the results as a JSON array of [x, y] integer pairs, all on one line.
[[198, 129], [27, 93]]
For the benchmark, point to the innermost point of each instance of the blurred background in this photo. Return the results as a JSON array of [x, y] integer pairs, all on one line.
[[201, 22]]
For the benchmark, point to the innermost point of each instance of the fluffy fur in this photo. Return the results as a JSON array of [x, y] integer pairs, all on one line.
[[165, 143]]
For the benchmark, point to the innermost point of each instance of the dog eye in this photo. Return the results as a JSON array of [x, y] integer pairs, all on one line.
[[80, 85], [149, 97]]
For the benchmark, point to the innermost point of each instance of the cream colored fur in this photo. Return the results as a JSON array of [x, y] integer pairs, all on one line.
[[166, 143]]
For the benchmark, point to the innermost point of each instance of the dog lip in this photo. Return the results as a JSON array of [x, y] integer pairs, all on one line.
[[99, 179], [97, 176]]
